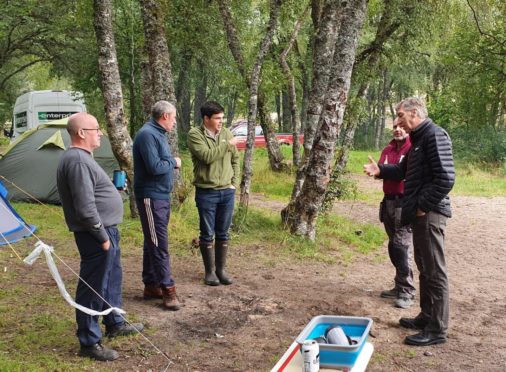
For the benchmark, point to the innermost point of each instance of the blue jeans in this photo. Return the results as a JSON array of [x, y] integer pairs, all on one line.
[[102, 271], [216, 208], [155, 215]]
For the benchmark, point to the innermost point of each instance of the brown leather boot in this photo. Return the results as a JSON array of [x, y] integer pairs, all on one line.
[[221, 261], [152, 291], [170, 301]]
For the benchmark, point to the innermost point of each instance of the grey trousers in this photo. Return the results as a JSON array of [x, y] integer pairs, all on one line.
[[399, 248], [428, 241]]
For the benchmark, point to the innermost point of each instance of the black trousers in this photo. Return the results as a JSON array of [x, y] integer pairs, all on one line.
[[428, 241], [102, 271]]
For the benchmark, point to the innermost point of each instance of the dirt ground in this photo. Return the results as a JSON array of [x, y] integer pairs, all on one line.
[[247, 326]]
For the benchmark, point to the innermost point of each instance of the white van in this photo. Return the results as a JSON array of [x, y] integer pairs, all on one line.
[[39, 107]]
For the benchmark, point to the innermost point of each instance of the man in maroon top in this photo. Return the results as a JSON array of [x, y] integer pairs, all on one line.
[[399, 237]]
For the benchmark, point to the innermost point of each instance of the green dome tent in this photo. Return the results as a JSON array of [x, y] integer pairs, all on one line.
[[31, 161]]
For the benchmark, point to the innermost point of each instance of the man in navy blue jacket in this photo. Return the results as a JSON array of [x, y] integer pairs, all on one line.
[[153, 168]]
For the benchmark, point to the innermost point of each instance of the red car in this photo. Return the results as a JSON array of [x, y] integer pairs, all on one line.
[[241, 131]]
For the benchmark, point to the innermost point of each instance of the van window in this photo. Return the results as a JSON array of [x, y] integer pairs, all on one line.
[[20, 120]]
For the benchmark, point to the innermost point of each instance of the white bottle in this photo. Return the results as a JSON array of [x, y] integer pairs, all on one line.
[[310, 356]]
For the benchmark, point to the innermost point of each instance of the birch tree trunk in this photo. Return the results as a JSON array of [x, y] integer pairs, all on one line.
[[275, 155], [276, 158], [326, 28], [301, 215], [154, 16], [253, 81], [292, 94], [121, 142], [387, 26]]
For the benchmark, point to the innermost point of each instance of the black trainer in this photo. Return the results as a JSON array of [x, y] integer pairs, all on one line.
[[124, 329], [414, 323], [98, 352]]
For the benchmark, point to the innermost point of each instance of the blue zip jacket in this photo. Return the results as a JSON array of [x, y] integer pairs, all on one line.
[[153, 163]]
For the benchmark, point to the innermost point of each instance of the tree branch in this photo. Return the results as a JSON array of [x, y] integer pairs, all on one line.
[[483, 33], [232, 39], [25, 66]]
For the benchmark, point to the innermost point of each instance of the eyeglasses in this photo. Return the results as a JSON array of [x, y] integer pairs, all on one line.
[[97, 129]]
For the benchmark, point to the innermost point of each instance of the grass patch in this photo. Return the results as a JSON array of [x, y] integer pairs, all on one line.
[[357, 159], [338, 239], [479, 180], [277, 185]]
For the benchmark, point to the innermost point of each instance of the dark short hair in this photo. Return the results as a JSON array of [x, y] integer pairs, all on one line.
[[211, 108]]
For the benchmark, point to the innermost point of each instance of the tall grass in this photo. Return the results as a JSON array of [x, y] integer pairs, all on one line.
[[276, 185]]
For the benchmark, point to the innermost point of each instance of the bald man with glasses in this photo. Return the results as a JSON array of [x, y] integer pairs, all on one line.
[[93, 208]]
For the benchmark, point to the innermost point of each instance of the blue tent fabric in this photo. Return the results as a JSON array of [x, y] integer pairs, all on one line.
[[12, 226]]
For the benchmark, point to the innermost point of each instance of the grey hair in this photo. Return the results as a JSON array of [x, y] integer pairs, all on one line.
[[411, 103], [162, 107]]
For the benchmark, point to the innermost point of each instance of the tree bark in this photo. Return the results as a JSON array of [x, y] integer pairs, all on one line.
[[326, 29], [305, 82], [276, 159], [146, 88], [292, 93], [121, 142], [154, 16], [301, 216], [254, 81], [371, 54]]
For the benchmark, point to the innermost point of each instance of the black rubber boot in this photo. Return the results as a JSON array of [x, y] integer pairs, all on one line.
[[221, 261], [207, 251]]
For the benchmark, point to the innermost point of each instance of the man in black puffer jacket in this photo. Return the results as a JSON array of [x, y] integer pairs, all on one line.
[[429, 176]]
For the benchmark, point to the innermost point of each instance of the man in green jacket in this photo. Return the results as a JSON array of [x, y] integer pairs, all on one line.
[[216, 176]]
